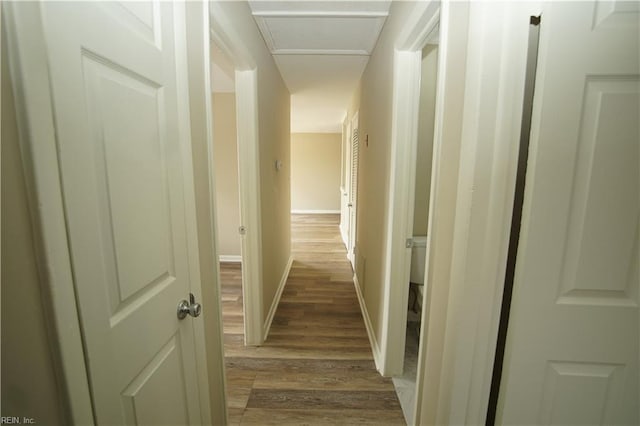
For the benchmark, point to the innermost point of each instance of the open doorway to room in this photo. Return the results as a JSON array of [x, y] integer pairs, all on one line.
[[225, 147], [406, 384], [227, 211], [225, 151], [353, 143], [227, 192]]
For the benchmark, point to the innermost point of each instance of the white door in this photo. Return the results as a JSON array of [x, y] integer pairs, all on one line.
[[572, 346], [353, 190], [344, 182], [113, 82]]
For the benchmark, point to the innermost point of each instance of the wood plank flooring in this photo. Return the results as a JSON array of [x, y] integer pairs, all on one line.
[[316, 367]]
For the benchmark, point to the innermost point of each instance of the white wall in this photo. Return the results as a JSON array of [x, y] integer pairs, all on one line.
[[315, 171]]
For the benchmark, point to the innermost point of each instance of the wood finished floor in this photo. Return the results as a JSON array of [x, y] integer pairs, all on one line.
[[316, 365]]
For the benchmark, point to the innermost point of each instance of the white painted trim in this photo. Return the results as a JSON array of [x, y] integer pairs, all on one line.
[[404, 133], [345, 237], [230, 258], [302, 211], [344, 180], [461, 312], [430, 389], [332, 52], [375, 348], [353, 195], [276, 299], [418, 31], [29, 71], [494, 90], [226, 36], [319, 14], [261, 18], [199, 42], [266, 33], [197, 33], [249, 178]]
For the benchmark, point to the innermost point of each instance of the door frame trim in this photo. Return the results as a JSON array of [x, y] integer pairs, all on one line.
[[516, 219], [200, 106], [249, 178], [479, 90], [457, 348], [346, 129], [407, 63], [227, 38], [353, 196], [30, 80]]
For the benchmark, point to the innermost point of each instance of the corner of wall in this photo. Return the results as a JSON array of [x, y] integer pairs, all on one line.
[[276, 300]]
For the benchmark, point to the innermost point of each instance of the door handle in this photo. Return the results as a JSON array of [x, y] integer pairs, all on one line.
[[350, 205], [189, 307]]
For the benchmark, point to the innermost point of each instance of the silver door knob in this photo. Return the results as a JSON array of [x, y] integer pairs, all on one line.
[[189, 307]]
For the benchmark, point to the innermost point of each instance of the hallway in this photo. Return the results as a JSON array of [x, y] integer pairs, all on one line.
[[316, 365]]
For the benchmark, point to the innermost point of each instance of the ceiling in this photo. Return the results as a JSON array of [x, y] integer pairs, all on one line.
[[321, 49]]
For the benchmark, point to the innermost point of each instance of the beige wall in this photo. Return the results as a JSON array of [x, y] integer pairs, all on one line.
[[315, 171], [425, 139], [375, 98], [274, 136], [29, 385], [225, 154]]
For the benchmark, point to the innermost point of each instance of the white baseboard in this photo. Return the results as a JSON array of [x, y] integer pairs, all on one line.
[[343, 234], [315, 211], [375, 348], [276, 299], [229, 258]]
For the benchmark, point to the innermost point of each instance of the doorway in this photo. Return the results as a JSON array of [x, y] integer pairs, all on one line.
[[352, 189], [227, 212], [225, 147], [406, 383], [242, 69]]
